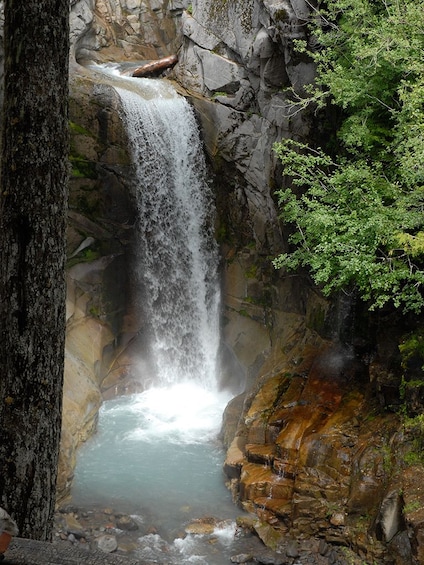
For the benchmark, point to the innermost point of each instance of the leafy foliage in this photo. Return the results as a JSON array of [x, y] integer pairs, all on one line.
[[358, 210]]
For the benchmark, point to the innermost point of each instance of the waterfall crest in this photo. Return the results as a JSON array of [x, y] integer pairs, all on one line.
[[177, 254]]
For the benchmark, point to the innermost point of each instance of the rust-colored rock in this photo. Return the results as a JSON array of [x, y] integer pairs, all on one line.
[[316, 459]]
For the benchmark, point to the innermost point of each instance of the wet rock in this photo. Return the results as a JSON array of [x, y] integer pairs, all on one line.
[[235, 458], [241, 558], [292, 549], [323, 547], [73, 527], [401, 547], [246, 524], [127, 546], [270, 558], [269, 535], [202, 526], [391, 516], [107, 543], [126, 523], [332, 558]]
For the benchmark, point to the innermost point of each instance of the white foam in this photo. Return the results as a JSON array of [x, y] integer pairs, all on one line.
[[182, 413]]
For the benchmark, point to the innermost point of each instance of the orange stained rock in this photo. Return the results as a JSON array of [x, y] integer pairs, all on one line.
[[263, 453], [265, 398], [235, 458], [279, 506], [259, 481], [347, 409], [4, 541]]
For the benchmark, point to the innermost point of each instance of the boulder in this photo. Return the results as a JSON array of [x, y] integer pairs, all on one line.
[[107, 543]]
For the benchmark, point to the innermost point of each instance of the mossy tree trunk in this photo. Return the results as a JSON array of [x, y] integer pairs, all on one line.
[[33, 200]]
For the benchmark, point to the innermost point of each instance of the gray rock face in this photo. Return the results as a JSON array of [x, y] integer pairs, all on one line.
[[80, 19], [107, 543], [239, 56], [113, 30]]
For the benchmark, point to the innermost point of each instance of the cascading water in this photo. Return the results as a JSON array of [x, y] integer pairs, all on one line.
[[177, 254], [156, 454]]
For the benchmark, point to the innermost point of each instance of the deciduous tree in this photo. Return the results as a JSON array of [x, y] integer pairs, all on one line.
[[357, 204]]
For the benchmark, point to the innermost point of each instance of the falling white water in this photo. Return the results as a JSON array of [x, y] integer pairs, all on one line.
[[177, 254]]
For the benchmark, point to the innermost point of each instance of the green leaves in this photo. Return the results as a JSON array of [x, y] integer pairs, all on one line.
[[358, 215], [355, 228]]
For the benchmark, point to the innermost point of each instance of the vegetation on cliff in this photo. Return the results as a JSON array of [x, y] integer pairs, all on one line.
[[357, 202]]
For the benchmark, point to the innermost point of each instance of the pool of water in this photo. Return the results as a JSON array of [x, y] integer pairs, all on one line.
[[156, 456]]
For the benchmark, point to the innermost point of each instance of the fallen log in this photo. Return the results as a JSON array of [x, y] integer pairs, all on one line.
[[155, 67]]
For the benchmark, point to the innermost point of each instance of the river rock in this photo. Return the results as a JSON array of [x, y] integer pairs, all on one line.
[[126, 523], [242, 558], [107, 543], [73, 527], [292, 549], [270, 558], [202, 526]]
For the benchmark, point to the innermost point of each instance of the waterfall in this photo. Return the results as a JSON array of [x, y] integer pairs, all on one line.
[[177, 255], [155, 454]]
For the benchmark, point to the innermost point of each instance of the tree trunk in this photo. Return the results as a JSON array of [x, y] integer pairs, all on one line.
[[33, 200]]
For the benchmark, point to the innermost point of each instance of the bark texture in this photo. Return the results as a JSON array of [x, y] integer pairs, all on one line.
[[34, 178]]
